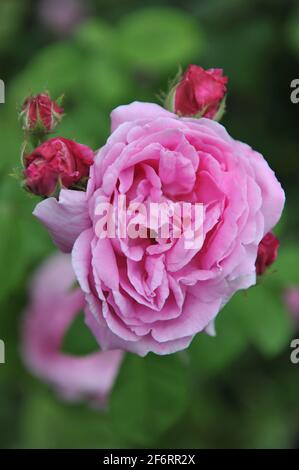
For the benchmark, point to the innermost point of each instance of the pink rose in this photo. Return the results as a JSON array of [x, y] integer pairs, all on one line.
[[40, 114], [148, 294], [53, 306], [267, 252], [200, 92], [56, 162]]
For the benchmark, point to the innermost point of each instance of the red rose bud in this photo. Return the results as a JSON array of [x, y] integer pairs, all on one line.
[[40, 114], [199, 93], [56, 163], [267, 252]]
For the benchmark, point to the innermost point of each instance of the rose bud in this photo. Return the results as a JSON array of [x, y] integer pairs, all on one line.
[[40, 114], [199, 93], [56, 163], [267, 252]]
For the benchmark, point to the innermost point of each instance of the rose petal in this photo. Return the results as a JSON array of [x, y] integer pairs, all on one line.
[[136, 110], [65, 219]]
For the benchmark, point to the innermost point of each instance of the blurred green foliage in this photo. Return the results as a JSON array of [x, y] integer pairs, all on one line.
[[237, 389]]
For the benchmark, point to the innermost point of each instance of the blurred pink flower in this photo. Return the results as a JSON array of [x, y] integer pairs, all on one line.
[[53, 306], [62, 16], [291, 297]]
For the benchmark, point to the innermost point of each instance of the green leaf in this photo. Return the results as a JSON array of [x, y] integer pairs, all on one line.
[[96, 38], [257, 316], [105, 82], [282, 226], [292, 31], [246, 45], [49, 423], [263, 318], [219, 11], [23, 240], [55, 68], [210, 354], [78, 339], [150, 395], [10, 411], [286, 265], [11, 13], [268, 425], [12, 254], [93, 130], [11, 138], [159, 39]]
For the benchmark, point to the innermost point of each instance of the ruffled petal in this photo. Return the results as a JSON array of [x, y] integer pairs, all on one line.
[[65, 219], [136, 110]]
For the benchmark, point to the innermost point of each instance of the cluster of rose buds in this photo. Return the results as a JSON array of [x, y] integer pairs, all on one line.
[[55, 163]]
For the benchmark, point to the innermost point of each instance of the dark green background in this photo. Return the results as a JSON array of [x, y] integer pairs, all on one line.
[[240, 388]]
